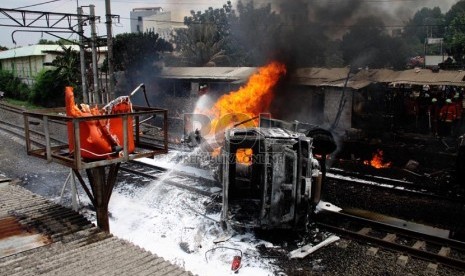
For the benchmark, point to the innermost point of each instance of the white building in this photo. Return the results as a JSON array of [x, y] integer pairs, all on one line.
[[153, 19], [137, 17], [159, 23], [27, 62]]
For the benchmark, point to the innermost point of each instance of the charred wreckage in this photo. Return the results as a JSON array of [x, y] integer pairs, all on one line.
[[270, 175]]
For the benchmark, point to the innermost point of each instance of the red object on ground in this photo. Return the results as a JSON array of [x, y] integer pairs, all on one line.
[[236, 263]]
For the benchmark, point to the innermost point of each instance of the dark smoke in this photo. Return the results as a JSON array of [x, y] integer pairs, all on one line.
[[343, 13], [310, 28]]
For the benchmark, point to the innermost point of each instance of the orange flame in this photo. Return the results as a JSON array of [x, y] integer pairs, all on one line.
[[377, 161], [244, 156], [247, 102]]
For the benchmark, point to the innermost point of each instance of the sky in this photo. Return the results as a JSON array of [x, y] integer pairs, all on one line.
[[178, 8], [118, 7]]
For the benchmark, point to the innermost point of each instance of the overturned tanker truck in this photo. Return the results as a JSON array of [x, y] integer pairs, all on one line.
[[270, 176]]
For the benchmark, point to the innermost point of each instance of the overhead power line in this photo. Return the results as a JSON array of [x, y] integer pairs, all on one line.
[[38, 4], [329, 25], [308, 24], [286, 24], [171, 3]]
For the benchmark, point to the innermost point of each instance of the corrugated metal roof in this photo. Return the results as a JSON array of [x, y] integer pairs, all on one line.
[[336, 77], [16, 238], [33, 50], [75, 246], [333, 77], [320, 75], [426, 76], [212, 73]]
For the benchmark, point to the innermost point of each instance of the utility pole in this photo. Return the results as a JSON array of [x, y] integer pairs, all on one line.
[[108, 16], [82, 56], [97, 98]]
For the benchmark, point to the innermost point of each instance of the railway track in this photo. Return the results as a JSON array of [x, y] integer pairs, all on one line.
[[394, 185], [446, 251], [16, 128], [133, 169], [407, 242], [11, 108], [399, 186], [12, 122], [37, 137], [184, 180], [172, 177]]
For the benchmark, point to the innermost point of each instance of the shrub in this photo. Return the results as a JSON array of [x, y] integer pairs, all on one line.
[[13, 87], [48, 89]]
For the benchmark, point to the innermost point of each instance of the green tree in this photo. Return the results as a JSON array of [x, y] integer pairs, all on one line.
[[44, 41], [60, 41], [138, 51], [367, 44], [137, 57], [206, 41], [455, 33], [12, 86], [456, 10], [49, 85], [67, 65], [425, 23], [48, 89], [456, 39], [255, 33]]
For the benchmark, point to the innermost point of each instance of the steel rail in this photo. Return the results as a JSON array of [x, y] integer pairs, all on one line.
[[334, 217], [11, 108], [398, 188], [38, 133], [15, 133], [125, 167]]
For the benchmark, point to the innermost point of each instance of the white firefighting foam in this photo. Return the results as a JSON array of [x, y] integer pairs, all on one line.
[[172, 223]]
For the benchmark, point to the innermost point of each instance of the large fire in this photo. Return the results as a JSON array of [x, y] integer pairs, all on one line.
[[377, 161], [247, 102]]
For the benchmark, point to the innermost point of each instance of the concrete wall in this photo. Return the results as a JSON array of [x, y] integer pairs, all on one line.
[[137, 18], [434, 60], [26, 68], [159, 23], [332, 99]]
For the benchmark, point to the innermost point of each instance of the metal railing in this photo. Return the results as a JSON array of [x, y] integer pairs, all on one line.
[[147, 143]]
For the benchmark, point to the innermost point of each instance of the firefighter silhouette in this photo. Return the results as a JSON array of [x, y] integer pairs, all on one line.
[[447, 117]]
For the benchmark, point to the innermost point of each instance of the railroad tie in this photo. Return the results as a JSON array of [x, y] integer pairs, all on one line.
[[343, 244], [432, 268], [419, 245], [390, 237], [372, 251], [402, 260], [445, 251], [364, 231]]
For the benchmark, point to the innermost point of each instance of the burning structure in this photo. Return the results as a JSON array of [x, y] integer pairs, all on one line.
[[269, 176]]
